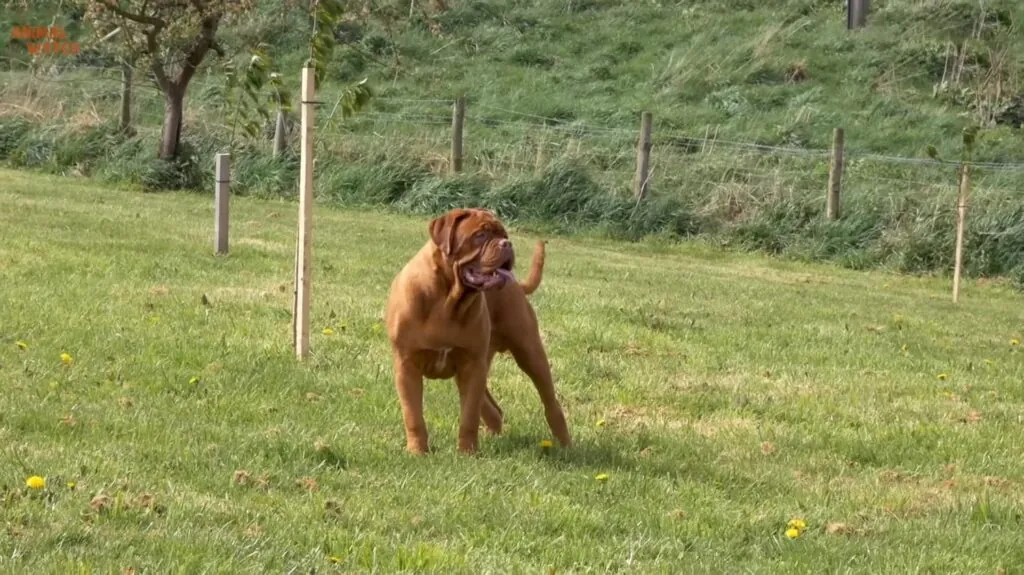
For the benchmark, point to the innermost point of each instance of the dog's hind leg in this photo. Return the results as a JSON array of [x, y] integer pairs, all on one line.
[[471, 379], [491, 413], [530, 356]]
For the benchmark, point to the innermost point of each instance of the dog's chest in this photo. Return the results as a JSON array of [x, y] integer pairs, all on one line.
[[438, 363]]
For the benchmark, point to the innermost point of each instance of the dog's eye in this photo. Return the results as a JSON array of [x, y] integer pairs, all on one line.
[[479, 237]]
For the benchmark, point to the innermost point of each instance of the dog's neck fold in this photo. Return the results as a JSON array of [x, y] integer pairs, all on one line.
[[459, 298]]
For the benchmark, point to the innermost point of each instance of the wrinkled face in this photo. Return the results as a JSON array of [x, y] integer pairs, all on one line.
[[477, 247]]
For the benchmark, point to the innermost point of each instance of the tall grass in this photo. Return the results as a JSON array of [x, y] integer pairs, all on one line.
[[774, 206]]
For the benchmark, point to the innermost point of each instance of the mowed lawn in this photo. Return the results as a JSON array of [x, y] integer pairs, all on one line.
[[716, 396]]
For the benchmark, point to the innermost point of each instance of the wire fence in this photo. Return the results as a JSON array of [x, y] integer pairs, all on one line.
[[503, 143]]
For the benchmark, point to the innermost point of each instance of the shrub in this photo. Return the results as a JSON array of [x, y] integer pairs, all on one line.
[[12, 131]]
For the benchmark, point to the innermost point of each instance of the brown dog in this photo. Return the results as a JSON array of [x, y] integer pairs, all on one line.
[[450, 310]]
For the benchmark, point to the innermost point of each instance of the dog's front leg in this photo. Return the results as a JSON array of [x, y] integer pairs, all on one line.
[[471, 377], [409, 383]]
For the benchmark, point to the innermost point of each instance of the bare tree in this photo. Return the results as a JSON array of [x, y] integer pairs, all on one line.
[[169, 38]]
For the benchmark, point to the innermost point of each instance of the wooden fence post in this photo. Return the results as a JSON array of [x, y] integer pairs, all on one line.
[[835, 176], [222, 201], [303, 265], [540, 161], [125, 122], [641, 181], [963, 192], [279, 133], [857, 13], [458, 121]]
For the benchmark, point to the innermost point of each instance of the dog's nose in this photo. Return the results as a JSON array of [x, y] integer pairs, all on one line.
[[505, 244]]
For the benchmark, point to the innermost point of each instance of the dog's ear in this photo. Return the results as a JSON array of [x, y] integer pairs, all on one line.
[[442, 230]]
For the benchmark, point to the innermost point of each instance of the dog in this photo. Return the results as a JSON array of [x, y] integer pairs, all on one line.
[[450, 309]]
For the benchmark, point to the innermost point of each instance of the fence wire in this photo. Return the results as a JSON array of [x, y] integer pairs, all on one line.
[[501, 142]]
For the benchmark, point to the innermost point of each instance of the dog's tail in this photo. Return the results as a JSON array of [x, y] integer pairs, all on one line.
[[536, 270]]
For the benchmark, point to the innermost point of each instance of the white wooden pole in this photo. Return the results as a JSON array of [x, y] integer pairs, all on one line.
[[961, 216], [305, 242], [222, 201]]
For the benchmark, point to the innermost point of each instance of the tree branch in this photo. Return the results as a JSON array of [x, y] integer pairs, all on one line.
[[216, 47], [156, 63], [140, 18], [207, 40], [155, 28]]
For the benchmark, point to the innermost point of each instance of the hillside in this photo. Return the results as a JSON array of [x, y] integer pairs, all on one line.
[[744, 94], [775, 72], [780, 72]]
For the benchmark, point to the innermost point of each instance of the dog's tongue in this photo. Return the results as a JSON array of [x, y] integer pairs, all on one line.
[[506, 274]]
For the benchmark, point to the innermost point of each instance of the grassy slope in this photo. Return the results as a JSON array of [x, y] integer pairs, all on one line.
[[714, 69], [736, 393], [719, 65]]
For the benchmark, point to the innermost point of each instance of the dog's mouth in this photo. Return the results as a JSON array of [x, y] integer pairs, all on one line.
[[475, 277]]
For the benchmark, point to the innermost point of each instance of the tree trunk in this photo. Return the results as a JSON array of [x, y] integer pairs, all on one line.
[[125, 123], [174, 104]]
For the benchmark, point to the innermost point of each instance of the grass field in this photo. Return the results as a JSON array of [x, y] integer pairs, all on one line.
[[721, 395]]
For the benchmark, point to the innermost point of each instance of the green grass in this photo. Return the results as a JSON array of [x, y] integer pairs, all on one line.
[[736, 393]]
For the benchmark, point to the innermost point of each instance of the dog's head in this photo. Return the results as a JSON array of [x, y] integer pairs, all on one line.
[[475, 246]]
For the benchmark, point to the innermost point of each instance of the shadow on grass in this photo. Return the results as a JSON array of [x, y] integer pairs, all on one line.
[[642, 453], [606, 453]]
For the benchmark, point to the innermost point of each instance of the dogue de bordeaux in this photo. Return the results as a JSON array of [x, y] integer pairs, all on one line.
[[450, 309]]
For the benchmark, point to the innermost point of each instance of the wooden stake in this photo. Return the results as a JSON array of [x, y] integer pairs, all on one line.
[[540, 161], [961, 216], [641, 182], [279, 135], [857, 13], [835, 176], [125, 123], [222, 201], [305, 241], [458, 121]]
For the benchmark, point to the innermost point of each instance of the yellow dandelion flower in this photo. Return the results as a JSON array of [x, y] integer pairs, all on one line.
[[600, 423], [1014, 342], [36, 482], [334, 559], [943, 376], [546, 444], [72, 485], [21, 345], [792, 533], [66, 358], [328, 331], [193, 381], [601, 477], [798, 524]]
